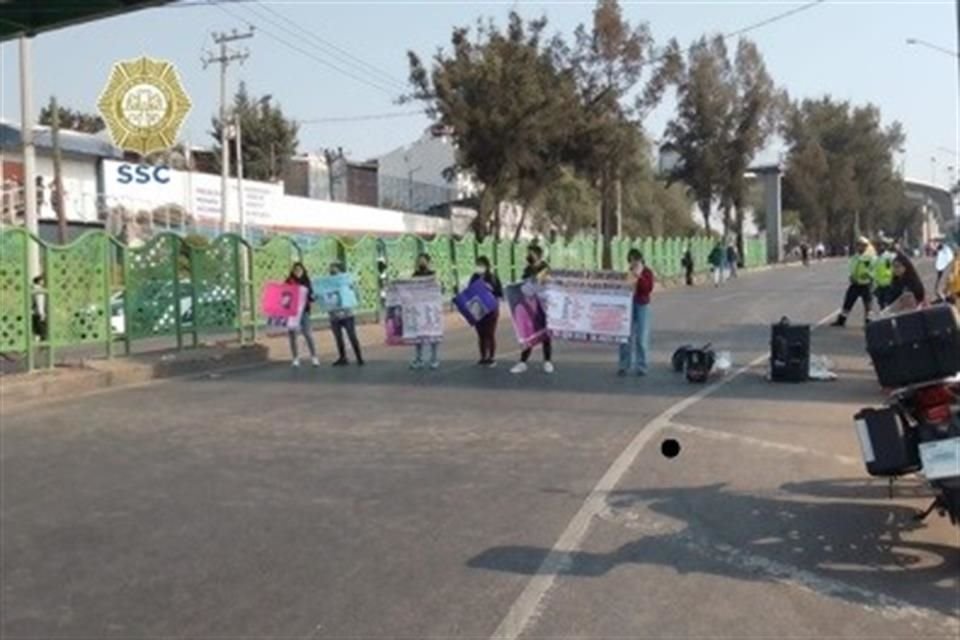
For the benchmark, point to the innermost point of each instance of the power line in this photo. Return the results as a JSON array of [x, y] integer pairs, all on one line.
[[375, 116], [772, 19], [345, 56], [308, 53]]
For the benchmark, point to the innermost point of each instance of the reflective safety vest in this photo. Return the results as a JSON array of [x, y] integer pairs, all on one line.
[[883, 270], [861, 269]]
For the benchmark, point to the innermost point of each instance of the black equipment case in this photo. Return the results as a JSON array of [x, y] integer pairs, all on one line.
[[915, 347], [699, 363], [888, 445], [789, 352]]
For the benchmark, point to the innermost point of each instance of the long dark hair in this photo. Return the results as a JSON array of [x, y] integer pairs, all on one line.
[[293, 276], [910, 279]]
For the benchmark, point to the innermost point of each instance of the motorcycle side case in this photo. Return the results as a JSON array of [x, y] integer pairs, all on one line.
[[888, 445], [915, 347]]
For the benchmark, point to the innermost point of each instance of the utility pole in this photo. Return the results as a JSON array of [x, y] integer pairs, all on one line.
[[224, 59], [58, 200], [29, 153], [238, 140], [619, 208]]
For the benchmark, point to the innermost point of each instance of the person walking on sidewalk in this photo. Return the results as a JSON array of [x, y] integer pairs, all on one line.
[[342, 321], [487, 326], [716, 259], [424, 270], [861, 280], [298, 275], [688, 266], [633, 354], [733, 260], [536, 269]]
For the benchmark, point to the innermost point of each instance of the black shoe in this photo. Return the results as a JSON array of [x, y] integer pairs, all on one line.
[[839, 322], [361, 362], [482, 362], [342, 362]]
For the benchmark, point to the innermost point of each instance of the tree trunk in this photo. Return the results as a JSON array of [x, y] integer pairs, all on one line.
[[739, 231], [704, 204]]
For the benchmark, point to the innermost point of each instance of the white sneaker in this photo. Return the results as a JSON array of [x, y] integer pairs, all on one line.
[[548, 367], [520, 367], [435, 365], [416, 364], [296, 363], [316, 362]]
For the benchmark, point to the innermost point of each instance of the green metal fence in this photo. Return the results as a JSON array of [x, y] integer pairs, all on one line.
[[97, 291]]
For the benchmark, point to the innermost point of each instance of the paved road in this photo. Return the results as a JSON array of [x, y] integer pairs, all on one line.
[[384, 503]]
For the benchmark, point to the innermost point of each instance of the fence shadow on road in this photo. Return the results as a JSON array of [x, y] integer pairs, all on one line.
[[855, 551]]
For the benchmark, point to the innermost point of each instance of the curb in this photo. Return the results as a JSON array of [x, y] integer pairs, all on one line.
[[66, 382]]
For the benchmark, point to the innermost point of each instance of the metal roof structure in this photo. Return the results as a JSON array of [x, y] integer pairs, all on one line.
[[30, 17], [72, 142]]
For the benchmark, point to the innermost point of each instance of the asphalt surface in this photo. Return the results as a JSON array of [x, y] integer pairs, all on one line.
[[465, 502]]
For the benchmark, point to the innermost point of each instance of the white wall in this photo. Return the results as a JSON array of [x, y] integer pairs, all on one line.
[[79, 184]]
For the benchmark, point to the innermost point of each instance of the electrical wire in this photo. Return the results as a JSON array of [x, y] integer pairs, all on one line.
[[375, 116], [332, 49], [308, 53]]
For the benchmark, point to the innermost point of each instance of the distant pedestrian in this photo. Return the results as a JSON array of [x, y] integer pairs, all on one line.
[[716, 259], [342, 321], [943, 258], [733, 260], [536, 269], [424, 270], [298, 276], [805, 254], [486, 328], [821, 251], [634, 354], [688, 266], [861, 279]]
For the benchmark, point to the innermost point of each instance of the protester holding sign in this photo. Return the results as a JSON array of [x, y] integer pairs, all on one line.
[[486, 326], [536, 270], [342, 320], [298, 275], [633, 355], [424, 270]]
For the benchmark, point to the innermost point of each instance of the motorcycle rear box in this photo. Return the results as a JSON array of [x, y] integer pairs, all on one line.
[[915, 347], [889, 448]]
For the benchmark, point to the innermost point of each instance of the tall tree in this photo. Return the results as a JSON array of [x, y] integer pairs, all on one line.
[[840, 170], [610, 60], [751, 121], [506, 103], [268, 137], [72, 120], [706, 97]]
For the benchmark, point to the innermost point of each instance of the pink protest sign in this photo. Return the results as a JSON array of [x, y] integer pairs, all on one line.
[[283, 300]]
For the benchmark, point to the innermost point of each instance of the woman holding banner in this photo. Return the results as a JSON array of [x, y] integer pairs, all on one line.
[[298, 276], [633, 354], [487, 326], [536, 269], [423, 270]]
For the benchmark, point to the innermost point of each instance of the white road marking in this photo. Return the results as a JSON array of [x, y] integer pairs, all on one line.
[[527, 607], [763, 444]]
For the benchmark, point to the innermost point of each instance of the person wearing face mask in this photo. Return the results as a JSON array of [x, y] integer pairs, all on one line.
[[342, 320], [487, 326], [536, 269], [298, 276], [424, 270], [633, 354]]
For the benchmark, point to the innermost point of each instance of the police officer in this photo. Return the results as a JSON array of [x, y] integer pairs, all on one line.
[[861, 280], [883, 273]]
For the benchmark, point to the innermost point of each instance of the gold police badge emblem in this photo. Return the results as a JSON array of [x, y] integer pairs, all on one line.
[[144, 105]]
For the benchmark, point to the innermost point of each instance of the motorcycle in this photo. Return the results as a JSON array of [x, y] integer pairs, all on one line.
[[918, 432]]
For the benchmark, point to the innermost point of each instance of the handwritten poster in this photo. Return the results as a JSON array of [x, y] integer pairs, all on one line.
[[589, 306], [414, 311]]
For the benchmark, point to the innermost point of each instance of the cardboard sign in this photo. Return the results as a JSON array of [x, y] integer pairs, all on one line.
[[335, 293], [589, 306], [476, 302], [527, 312], [414, 311]]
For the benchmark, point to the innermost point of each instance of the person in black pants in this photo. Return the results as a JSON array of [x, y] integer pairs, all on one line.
[[536, 269], [487, 326], [688, 266], [342, 320]]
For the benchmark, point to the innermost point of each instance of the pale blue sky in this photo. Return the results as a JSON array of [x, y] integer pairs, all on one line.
[[853, 50]]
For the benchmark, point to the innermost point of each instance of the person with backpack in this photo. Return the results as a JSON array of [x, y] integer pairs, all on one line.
[[633, 354], [298, 276], [487, 326]]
